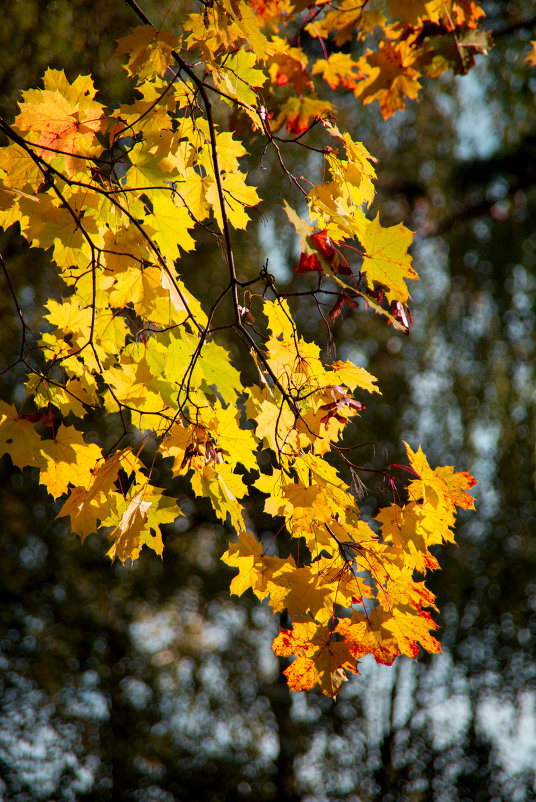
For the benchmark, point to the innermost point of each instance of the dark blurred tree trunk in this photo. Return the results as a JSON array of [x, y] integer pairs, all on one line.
[[386, 776], [289, 736]]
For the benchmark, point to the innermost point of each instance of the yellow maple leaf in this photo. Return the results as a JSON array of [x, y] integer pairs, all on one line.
[[353, 376], [458, 483], [409, 629], [254, 567], [238, 76], [223, 488], [83, 511], [84, 504], [357, 170], [21, 171], [238, 444], [348, 19], [149, 51], [170, 223], [338, 69], [415, 13], [136, 518], [386, 259], [68, 460], [447, 13], [413, 529], [298, 591], [128, 532], [238, 196], [442, 486], [18, 437]]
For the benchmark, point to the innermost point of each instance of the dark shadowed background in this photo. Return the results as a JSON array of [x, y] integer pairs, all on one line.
[[148, 682]]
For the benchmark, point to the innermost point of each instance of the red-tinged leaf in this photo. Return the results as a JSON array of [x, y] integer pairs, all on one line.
[[320, 242], [301, 674], [359, 634], [298, 114], [402, 315], [336, 309], [44, 416], [291, 71], [309, 263], [342, 298], [459, 483]]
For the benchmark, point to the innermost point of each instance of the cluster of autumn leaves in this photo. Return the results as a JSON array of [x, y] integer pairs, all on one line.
[[116, 197], [418, 38]]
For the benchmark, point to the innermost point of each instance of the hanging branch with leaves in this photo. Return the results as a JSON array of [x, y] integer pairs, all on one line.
[[117, 197]]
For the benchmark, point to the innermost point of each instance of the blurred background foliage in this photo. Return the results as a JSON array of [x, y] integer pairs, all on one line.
[[148, 682]]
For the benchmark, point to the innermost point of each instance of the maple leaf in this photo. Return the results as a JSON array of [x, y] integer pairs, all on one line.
[[272, 10], [136, 518], [319, 659], [298, 114], [171, 223], [254, 567], [67, 459], [238, 195], [20, 170], [84, 504], [362, 639], [289, 66], [83, 511], [464, 12], [337, 70], [353, 376], [386, 260], [298, 591], [346, 20], [128, 533], [63, 117], [390, 77], [441, 486], [238, 77], [413, 530], [150, 51], [322, 244], [531, 58], [409, 629], [18, 437], [357, 170]]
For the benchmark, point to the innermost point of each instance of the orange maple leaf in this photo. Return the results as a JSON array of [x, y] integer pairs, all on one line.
[[63, 117], [320, 659], [298, 114], [449, 13], [389, 78], [288, 69], [362, 639]]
